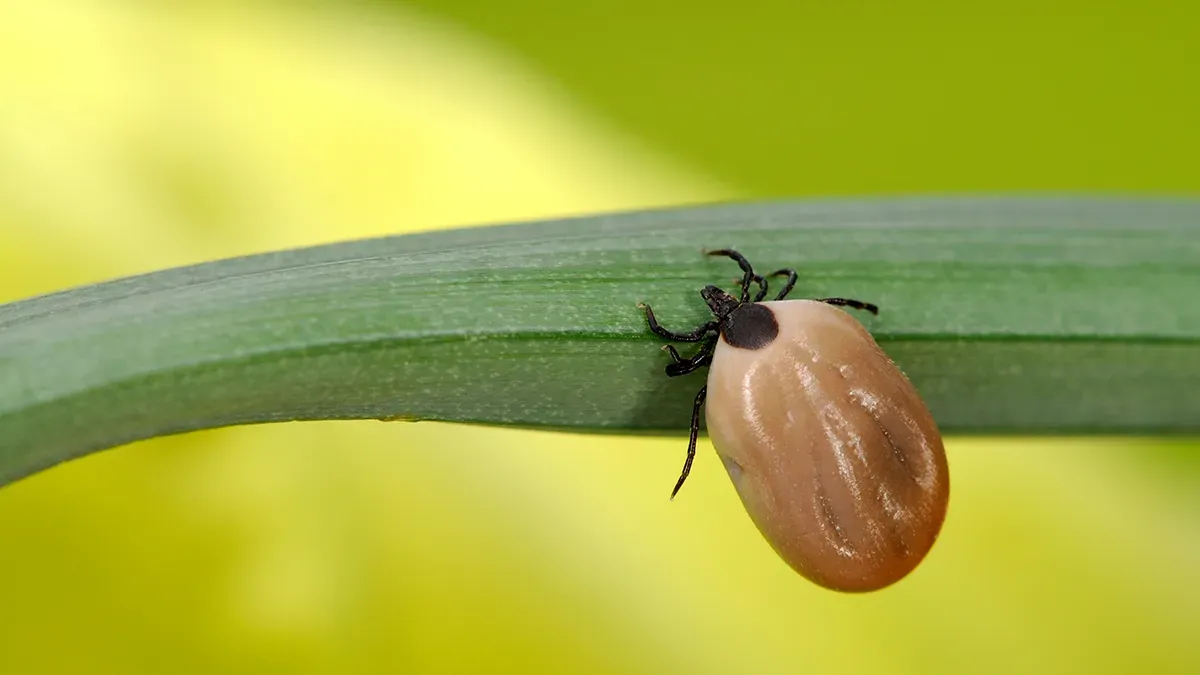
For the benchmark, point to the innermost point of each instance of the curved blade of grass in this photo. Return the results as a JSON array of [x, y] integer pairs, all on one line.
[[1020, 316]]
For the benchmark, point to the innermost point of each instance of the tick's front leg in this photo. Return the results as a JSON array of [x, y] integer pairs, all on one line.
[[694, 336]]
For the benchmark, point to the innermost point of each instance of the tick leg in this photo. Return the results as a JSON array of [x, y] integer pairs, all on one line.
[[742, 263], [843, 302], [691, 453], [846, 302], [762, 288], [791, 282], [674, 354], [683, 366], [694, 336]]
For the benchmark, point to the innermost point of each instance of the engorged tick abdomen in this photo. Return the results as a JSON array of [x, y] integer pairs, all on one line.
[[834, 454]]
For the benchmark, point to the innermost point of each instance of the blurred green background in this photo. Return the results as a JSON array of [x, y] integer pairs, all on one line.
[[136, 136]]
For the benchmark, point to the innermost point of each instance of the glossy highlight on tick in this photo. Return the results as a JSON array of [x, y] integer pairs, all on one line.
[[835, 456]]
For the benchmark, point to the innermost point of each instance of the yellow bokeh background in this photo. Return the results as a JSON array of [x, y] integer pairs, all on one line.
[[136, 136]]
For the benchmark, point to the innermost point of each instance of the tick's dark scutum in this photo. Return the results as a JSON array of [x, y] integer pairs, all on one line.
[[750, 326]]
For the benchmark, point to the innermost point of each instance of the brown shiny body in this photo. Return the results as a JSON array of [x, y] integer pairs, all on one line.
[[833, 452]]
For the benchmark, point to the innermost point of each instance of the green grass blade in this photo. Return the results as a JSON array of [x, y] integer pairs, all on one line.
[[1010, 315]]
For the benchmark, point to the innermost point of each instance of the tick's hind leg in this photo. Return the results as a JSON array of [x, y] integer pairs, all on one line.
[[841, 302], [691, 451], [846, 302]]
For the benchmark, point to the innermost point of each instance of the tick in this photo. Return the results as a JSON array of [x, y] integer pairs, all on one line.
[[834, 455]]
